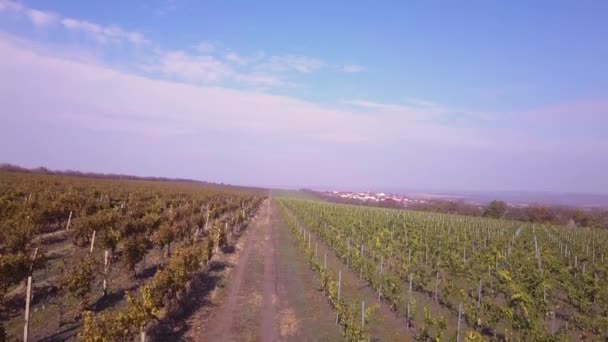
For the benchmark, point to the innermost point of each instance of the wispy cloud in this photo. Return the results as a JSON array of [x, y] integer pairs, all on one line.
[[100, 33], [8, 5], [106, 95], [103, 34], [377, 105], [352, 68], [193, 68], [41, 18], [198, 99], [206, 62], [38, 88], [203, 63], [285, 63], [236, 58], [206, 69], [426, 110], [204, 47], [165, 7], [260, 80], [405, 111], [37, 17]]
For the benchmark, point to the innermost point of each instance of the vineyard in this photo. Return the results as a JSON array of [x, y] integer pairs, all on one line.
[[452, 277], [349, 314], [103, 259]]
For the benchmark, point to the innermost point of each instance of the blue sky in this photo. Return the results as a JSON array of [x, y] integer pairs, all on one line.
[[475, 96]]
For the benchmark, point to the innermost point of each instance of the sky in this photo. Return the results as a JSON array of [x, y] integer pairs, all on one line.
[[476, 96]]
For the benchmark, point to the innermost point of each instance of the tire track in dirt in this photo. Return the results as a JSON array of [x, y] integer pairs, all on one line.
[[271, 294], [222, 323], [302, 312], [269, 327]]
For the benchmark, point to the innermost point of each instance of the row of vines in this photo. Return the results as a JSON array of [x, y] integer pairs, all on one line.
[[83, 240], [351, 315], [505, 280]]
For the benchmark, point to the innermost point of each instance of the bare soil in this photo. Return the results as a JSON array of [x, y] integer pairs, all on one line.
[[269, 293]]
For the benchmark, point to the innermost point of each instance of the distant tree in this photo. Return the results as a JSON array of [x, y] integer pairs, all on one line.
[[538, 213], [496, 209], [390, 203], [581, 218]]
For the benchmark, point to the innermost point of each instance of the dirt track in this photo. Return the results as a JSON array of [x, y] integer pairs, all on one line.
[[271, 295]]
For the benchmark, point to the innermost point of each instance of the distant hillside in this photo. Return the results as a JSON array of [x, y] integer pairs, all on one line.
[[43, 170]]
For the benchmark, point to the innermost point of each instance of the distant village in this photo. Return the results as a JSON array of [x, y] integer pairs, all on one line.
[[376, 197]]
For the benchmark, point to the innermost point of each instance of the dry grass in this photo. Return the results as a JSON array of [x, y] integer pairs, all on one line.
[[289, 325], [256, 299]]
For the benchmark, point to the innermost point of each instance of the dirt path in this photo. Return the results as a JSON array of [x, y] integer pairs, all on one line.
[[270, 295], [269, 328]]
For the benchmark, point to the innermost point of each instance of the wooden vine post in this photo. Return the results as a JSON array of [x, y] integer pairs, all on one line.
[[92, 242], [409, 302], [436, 287], [28, 296], [69, 220], [33, 260], [339, 290], [380, 277], [226, 229], [458, 326], [362, 314], [361, 269], [207, 219], [105, 273], [479, 295]]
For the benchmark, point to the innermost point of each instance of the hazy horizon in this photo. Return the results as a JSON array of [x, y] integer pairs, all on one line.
[[529, 196], [460, 97]]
